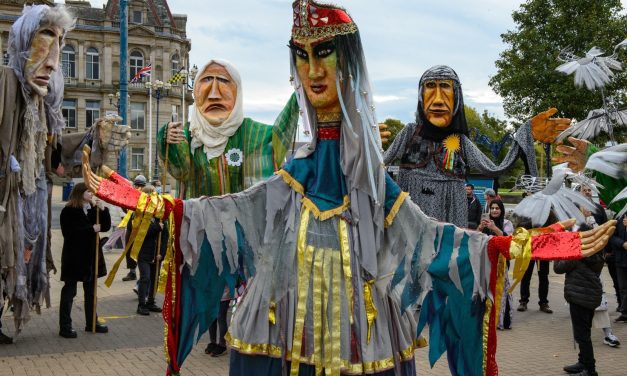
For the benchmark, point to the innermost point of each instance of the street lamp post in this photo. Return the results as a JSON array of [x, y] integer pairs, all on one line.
[[161, 89]]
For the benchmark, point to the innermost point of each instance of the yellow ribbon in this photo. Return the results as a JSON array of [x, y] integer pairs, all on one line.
[[371, 310], [305, 259], [346, 266], [271, 313], [148, 206], [125, 220], [520, 250]]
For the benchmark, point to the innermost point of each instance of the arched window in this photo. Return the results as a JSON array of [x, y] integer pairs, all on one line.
[[136, 63], [176, 65], [68, 62], [92, 68]]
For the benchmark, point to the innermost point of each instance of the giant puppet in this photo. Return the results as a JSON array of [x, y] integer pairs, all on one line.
[[435, 152], [30, 122], [31, 147], [341, 257], [220, 151]]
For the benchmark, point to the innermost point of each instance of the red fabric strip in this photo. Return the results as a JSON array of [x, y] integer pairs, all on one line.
[[122, 195], [329, 133]]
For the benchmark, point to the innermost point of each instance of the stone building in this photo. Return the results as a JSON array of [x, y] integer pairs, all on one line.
[[91, 60]]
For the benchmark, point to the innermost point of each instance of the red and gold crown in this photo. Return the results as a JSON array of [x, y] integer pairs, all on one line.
[[318, 21]]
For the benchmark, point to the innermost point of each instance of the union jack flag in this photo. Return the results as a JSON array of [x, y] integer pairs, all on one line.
[[142, 73]]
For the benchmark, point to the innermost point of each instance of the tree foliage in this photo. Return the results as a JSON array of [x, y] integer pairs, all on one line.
[[526, 77], [394, 126]]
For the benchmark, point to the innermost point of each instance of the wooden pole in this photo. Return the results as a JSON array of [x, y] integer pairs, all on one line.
[[158, 250], [97, 253]]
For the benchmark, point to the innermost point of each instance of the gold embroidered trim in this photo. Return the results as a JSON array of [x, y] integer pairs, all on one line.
[[327, 117], [389, 219], [347, 367], [323, 32]]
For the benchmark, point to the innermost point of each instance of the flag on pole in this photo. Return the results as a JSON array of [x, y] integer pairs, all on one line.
[[142, 73], [177, 77]]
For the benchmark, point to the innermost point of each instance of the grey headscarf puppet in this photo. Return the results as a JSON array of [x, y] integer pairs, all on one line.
[[34, 135], [458, 124]]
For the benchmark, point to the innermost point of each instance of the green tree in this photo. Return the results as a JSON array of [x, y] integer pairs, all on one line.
[[526, 76], [394, 126]]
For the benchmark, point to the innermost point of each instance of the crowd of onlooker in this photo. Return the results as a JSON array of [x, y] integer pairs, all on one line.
[[583, 289]]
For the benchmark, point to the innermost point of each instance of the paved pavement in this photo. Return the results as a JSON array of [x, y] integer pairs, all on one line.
[[538, 344]]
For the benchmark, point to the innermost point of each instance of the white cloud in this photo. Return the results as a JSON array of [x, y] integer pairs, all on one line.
[[386, 98]]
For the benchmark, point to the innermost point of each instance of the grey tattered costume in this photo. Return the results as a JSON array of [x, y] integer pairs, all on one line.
[[26, 122], [419, 147]]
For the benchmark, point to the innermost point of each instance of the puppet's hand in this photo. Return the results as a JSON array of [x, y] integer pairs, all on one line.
[[112, 137], [574, 155], [113, 189], [594, 240], [174, 133], [546, 129], [384, 133], [91, 179]]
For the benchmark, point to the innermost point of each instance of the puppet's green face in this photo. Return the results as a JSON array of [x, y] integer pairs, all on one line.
[[438, 99], [43, 58], [316, 64]]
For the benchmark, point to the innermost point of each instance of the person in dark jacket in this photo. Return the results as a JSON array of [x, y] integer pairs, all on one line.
[[582, 291], [600, 217], [79, 228], [618, 243], [474, 207], [146, 260]]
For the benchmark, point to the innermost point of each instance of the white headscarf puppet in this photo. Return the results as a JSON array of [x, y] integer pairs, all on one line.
[[213, 138]]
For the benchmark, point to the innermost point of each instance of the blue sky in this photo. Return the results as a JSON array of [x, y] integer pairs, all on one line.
[[401, 39]]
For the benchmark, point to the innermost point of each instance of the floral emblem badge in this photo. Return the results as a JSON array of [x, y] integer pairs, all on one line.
[[234, 157]]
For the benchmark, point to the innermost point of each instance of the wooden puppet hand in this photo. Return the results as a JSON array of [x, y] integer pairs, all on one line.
[[574, 155], [91, 179], [594, 240], [174, 133], [384, 133], [546, 129]]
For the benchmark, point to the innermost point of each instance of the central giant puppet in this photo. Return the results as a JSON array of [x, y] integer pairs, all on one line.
[[339, 260]]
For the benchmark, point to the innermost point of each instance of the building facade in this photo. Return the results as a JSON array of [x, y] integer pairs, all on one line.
[[90, 62]]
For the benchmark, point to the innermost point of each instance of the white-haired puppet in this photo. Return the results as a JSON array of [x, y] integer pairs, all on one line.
[[31, 93]]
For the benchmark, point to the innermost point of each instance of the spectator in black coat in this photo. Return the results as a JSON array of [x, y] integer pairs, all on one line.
[[146, 260], [618, 243], [79, 228], [582, 291], [600, 217], [474, 207]]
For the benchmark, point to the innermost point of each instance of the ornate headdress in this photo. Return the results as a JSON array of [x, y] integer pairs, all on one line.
[[313, 20]]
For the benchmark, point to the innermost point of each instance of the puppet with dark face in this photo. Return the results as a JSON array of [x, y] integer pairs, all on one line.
[[435, 153]]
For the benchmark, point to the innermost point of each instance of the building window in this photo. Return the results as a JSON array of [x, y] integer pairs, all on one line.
[[138, 116], [92, 112], [176, 66], [68, 62], [93, 64], [69, 112], [137, 16], [137, 159], [5, 58], [136, 63], [175, 112]]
